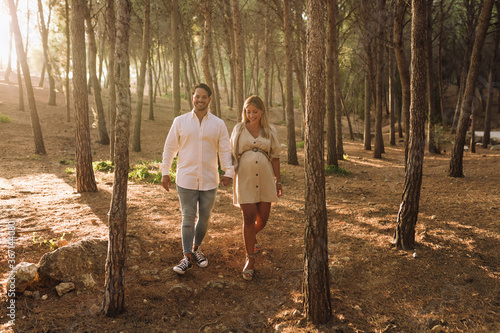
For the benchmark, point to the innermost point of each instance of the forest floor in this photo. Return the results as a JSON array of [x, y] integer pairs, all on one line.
[[449, 283]]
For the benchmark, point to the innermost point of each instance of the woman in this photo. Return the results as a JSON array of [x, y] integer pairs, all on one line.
[[257, 183]]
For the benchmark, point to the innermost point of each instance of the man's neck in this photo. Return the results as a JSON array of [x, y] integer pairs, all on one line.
[[201, 114]]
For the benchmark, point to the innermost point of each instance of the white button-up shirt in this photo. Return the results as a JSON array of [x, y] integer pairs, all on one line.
[[197, 146]]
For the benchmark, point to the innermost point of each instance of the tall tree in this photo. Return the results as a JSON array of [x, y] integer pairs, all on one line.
[[331, 140], [402, 63], [207, 46], [431, 114], [68, 60], [176, 63], [408, 210], [379, 85], [317, 304], [456, 161], [290, 118], [114, 294], [367, 137], [44, 32], [239, 54], [267, 54], [85, 180], [136, 137], [21, 55], [96, 85], [336, 83], [494, 67], [111, 32]]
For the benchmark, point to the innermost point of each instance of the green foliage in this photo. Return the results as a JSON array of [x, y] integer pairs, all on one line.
[[70, 171], [104, 166], [5, 119], [441, 137], [300, 144], [53, 243], [332, 169]]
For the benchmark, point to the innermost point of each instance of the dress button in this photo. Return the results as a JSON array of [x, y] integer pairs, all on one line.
[[257, 174], [256, 161], [257, 186]]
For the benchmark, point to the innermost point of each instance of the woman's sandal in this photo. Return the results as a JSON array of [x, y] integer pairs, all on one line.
[[248, 274]]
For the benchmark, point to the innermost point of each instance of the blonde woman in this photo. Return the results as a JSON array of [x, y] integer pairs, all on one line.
[[257, 184]]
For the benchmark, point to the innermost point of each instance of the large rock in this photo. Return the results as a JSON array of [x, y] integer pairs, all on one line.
[[22, 276], [81, 263]]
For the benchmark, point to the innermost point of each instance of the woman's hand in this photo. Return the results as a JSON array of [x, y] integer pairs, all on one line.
[[279, 190]]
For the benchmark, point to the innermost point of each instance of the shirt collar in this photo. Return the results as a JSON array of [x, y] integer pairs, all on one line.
[[208, 115]]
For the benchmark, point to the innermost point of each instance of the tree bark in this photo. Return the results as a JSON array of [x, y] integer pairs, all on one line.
[[392, 98], [114, 294], [239, 54], [136, 137], [96, 85], [21, 55], [110, 24], [45, 44], [367, 136], [379, 87], [408, 210], [20, 86], [336, 83], [493, 68], [331, 139], [290, 117], [317, 303], [68, 60], [432, 116], [85, 181], [176, 63], [267, 54], [456, 161]]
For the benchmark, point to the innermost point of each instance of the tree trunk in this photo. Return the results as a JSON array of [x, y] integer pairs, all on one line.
[[367, 136], [392, 98], [432, 116], [456, 162], [336, 83], [114, 294], [379, 87], [45, 44], [110, 24], [68, 61], [408, 210], [96, 85], [239, 53], [267, 55], [8, 70], [150, 90], [317, 303], [290, 118], [21, 55], [176, 63], [20, 86], [331, 145], [493, 68], [136, 138], [42, 75], [404, 73], [85, 181]]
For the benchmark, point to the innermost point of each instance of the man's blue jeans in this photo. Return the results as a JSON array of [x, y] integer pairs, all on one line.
[[193, 201]]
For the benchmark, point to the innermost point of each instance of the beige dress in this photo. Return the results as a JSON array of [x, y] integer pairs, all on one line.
[[254, 179]]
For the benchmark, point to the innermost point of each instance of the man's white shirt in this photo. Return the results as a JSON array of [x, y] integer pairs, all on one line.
[[197, 146]]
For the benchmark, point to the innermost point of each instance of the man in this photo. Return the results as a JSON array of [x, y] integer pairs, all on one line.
[[198, 138]]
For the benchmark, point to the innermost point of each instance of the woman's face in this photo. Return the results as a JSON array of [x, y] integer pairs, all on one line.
[[253, 113]]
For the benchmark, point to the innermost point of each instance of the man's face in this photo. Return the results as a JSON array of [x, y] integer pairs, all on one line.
[[201, 99]]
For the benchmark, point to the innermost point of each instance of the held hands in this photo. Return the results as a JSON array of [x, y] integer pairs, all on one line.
[[165, 182], [225, 181]]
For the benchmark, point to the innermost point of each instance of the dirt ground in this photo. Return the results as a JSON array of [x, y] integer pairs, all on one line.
[[450, 283]]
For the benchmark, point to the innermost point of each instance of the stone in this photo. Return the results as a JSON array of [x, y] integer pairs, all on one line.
[[81, 263], [495, 147], [22, 276], [64, 288], [180, 290]]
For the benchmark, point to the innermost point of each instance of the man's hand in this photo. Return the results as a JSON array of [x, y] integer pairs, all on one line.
[[165, 182], [225, 181]]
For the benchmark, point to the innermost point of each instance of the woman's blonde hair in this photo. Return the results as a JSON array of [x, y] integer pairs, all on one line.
[[264, 120]]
